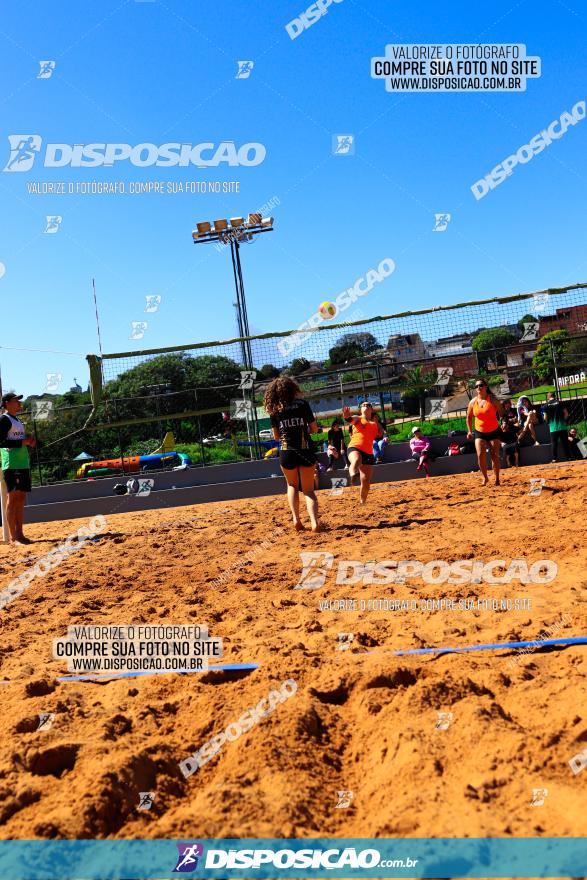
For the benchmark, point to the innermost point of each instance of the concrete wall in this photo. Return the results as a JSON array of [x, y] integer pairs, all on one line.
[[254, 486], [449, 464], [222, 473], [246, 479]]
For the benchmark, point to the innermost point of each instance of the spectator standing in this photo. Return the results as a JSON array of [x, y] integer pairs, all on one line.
[[14, 446], [556, 416]]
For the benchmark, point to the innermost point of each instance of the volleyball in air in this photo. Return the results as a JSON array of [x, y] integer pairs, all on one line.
[[327, 309]]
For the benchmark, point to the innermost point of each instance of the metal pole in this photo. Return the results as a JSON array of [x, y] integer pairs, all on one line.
[[239, 310], [238, 320], [381, 401], [37, 451], [249, 363], [247, 424], [553, 353], [121, 453], [201, 444], [258, 447]]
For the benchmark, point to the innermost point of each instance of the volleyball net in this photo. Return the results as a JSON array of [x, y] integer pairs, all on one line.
[[442, 335]]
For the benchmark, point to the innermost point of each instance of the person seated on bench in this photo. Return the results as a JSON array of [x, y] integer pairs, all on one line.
[[510, 447], [420, 447], [510, 414], [574, 440], [380, 444], [528, 419], [336, 445]]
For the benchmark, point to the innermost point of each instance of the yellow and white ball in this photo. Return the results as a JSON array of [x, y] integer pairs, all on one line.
[[327, 309]]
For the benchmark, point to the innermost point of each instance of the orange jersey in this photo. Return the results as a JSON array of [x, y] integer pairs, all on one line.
[[364, 433], [485, 415]]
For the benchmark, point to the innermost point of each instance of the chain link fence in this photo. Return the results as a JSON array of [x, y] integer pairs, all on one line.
[[226, 422]]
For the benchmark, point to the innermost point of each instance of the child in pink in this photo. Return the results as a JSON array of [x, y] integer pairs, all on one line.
[[420, 447]]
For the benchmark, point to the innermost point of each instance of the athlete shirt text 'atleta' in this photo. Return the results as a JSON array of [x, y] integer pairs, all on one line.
[[292, 424]]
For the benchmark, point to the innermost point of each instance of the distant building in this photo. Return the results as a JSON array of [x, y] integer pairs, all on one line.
[[405, 348], [460, 343], [572, 318]]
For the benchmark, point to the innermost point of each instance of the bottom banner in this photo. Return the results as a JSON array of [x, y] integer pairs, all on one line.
[[275, 858]]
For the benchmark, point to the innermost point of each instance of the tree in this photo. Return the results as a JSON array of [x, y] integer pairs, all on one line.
[[348, 351], [527, 319], [542, 362], [416, 384], [298, 365], [489, 345], [366, 341], [576, 352], [189, 383], [492, 342], [267, 371]]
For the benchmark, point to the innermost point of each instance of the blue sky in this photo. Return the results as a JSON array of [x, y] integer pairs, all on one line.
[[159, 72]]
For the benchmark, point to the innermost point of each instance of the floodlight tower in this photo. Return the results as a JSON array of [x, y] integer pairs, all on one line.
[[235, 234]]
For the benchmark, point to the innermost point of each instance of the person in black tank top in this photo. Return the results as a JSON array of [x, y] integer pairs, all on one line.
[[292, 421]]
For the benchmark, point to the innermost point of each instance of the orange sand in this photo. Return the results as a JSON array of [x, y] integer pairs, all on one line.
[[359, 722]]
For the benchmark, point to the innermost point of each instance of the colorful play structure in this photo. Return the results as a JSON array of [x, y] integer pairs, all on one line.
[[162, 457], [272, 446]]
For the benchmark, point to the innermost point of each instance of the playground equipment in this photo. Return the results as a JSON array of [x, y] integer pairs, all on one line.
[[135, 464]]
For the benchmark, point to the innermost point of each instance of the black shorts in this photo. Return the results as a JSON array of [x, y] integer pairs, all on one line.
[[19, 479], [366, 457], [290, 459], [489, 435]]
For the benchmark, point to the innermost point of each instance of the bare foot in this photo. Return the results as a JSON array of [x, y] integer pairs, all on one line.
[[485, 481], [23, 540], [299, 527], [318, 528], [497, 483], [18, 543]]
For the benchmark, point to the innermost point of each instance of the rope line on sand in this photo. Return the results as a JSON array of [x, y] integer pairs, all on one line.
[[497, 646]]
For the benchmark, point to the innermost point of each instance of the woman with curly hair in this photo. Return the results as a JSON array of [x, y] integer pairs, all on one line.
[[292, 421]]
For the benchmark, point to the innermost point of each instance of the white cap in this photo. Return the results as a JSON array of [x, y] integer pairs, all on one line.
[[414, 430]]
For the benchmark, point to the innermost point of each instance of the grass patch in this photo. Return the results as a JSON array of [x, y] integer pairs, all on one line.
[[542, 390]]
